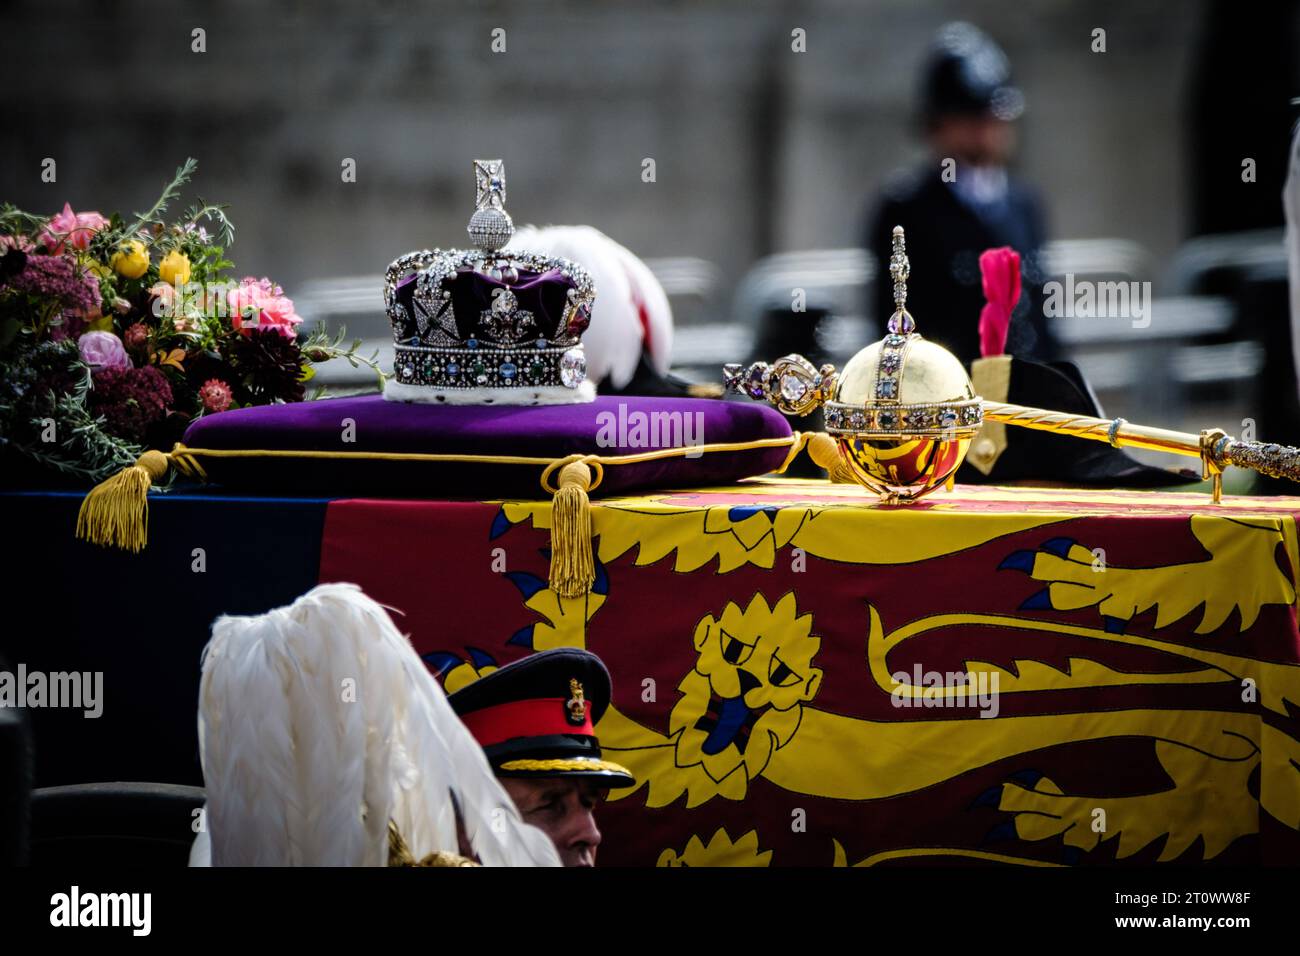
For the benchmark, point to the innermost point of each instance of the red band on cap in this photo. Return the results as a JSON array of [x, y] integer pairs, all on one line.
[[526, 718]]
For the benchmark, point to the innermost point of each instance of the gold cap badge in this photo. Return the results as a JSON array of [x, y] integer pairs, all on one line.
[[576, 704]]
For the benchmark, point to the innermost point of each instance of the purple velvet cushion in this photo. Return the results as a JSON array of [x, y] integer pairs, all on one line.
[[609, 426]]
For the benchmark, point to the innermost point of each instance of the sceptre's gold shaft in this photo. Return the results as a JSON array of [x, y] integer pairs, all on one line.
[[1216, 449], [1117, 431]]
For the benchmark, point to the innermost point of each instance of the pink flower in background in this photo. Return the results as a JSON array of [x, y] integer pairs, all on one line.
[[21, 243], [215, 395], [75, 228], [164, 300], [103, 350], [274, 308]]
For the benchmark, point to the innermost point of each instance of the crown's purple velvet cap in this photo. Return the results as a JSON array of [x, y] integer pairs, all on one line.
[[544, 294]]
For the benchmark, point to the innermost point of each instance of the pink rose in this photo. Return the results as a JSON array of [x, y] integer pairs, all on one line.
[[73, 228], [103, 350], [164, 300], [274, 309], [88, 223]]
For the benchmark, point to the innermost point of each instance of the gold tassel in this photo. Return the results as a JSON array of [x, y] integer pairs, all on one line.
[[825, 452], [573, 570], [116, 512]]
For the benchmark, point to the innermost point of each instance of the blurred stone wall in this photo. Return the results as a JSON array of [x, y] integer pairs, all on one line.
[[757, 148]]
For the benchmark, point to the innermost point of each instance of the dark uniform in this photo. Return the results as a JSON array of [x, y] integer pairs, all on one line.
[[949, 224], [536, 717], [945, 236]]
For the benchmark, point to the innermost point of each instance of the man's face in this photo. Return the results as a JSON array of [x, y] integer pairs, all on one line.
[[980, 140], [563, 808]]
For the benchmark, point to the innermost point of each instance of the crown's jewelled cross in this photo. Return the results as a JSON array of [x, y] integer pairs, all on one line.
[[505, 322], [490, 183]]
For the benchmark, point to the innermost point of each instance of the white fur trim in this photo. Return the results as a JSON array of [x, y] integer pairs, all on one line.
[[545, 395]]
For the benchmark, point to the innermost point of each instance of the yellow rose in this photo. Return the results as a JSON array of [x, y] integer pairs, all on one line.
[[131, 260], [175, 268]]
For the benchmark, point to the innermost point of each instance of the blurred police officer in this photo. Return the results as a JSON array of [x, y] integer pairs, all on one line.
[[963, 200]]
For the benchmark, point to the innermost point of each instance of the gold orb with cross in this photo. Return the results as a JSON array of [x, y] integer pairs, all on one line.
[[902, 412]]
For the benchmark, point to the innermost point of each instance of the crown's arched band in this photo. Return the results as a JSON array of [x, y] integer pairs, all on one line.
[[435, 315]]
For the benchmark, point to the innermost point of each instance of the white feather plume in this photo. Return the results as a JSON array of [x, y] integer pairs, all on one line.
[[318, 723], [625, 289]]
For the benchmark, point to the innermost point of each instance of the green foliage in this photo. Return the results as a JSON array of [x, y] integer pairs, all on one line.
[[49, 405], [152, 219], [46, 383], [318, 346], [13, 221]]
